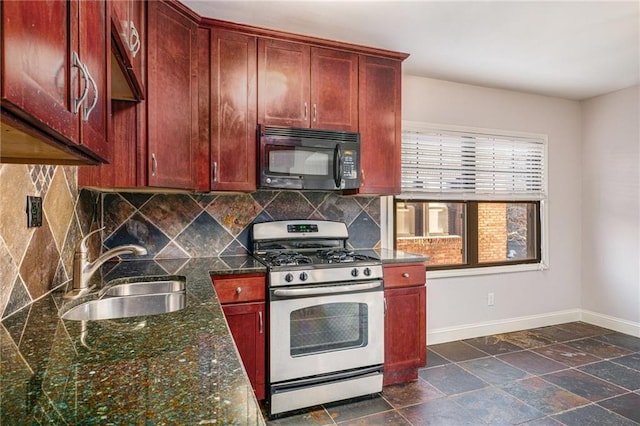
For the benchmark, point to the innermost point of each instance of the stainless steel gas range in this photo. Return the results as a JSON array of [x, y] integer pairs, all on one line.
[[326, 314]]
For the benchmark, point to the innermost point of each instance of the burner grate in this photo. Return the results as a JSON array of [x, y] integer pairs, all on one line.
[[341, 256], [285, 259]]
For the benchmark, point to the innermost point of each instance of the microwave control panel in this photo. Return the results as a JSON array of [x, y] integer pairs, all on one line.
[[349, 165]]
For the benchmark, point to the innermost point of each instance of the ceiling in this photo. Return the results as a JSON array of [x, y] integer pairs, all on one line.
[[568, 49]]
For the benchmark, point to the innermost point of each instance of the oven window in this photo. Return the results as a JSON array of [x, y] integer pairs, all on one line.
[[299, 162], [328, 327]]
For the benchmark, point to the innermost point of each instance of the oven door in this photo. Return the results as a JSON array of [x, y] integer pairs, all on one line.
[[316, 330]]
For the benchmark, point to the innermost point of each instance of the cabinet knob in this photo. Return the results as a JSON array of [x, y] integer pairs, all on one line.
[[238, 290], [405, 275]]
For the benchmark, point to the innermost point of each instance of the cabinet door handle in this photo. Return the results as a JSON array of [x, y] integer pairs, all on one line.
[[238, 290], [214, 172], [315, 113], [385, 305], [154, 164], [405, 275], [260, 321], [362, 177], [75, 62], [87, 111], [305, 111], [134, 40]]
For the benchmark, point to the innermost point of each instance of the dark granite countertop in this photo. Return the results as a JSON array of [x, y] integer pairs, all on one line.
[[389, 256], [176, 368]]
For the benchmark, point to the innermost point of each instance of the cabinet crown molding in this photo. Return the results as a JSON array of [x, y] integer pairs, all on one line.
[[299, 38]]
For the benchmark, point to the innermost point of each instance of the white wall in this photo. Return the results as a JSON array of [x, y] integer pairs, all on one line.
[[611, 208], [457, 307]]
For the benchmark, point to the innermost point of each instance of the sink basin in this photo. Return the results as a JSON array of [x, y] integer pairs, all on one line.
[[127, 306], [148, 286]]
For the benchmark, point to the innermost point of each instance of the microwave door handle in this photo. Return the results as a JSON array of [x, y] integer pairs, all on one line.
[[337, 166]]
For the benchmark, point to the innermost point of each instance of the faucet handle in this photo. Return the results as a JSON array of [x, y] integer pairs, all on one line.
[[82, 246]]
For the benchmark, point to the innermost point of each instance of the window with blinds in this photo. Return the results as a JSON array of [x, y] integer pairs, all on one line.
[[471, 198], [472, 166]]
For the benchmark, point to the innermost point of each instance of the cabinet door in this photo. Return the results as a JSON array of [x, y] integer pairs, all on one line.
[[38, 83], [172, 97], [334, 90], [233, 111], [380, 125], [283, 87], [137, 39], [94, 47], [127, 27], [405, 341], [247, 324]]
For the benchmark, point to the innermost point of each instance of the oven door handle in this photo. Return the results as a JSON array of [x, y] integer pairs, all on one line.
[[315, 291]]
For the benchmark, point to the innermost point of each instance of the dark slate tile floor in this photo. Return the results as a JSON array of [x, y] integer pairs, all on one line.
[[567, 374]]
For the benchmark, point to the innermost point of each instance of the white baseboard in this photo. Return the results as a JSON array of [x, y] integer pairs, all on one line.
[[612, 323], [469, 331]]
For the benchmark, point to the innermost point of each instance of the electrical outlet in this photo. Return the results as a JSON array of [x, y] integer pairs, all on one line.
[[34, 211], [490, 299]]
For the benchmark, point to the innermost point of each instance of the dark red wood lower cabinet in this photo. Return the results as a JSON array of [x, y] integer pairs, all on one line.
[[405, 345], [247, 322]]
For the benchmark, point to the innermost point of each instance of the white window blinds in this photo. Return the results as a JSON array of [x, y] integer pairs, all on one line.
[[446, 164]]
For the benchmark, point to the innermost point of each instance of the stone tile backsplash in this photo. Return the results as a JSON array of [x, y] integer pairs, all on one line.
[[34, 261], [174, 226]]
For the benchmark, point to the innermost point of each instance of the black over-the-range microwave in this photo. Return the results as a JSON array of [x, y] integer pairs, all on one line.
[[295, 158]]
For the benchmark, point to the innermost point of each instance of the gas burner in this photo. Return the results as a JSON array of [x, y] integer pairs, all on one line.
[[287, 258], [340, 256]]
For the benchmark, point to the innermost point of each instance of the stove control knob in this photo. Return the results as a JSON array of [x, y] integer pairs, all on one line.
[[367, 272], [289, 277], [354, 272], [303, 276]]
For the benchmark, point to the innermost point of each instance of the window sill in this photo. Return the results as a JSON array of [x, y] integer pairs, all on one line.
[[491, 270]]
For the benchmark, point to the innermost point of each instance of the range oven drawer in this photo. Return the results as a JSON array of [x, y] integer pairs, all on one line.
[[341, 386], [240, 288]]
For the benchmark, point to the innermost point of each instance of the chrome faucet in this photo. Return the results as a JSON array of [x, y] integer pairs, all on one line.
[[83, 270]]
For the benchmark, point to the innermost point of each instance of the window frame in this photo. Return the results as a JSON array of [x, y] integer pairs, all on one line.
[[541, 260], [471, 234]]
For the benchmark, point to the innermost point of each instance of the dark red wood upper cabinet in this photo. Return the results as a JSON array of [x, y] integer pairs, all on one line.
[[334, 90], [380, 125], [172, 104], [304, 86], [55, 58], [94, 48], [128, 38], [233, 111], [284, 81], [37, 44]]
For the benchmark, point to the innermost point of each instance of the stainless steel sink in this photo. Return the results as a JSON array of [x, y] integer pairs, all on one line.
[[127, 306], [147, 286]]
